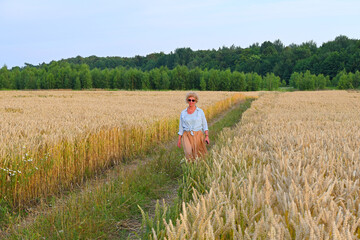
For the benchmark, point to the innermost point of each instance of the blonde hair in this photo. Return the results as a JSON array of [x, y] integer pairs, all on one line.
[[191, 94]]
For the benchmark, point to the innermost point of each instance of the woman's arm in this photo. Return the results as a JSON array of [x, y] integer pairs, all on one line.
[[179, 141], [181, 127], [204, 122], [207, 137]]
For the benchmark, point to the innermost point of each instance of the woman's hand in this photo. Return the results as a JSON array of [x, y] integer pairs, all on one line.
[[207, 139], [179, 144]]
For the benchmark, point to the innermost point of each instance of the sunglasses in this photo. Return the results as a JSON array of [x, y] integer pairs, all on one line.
[[191, 100]]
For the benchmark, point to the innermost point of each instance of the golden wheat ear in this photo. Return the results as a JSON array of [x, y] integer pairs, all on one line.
[[289, 170]]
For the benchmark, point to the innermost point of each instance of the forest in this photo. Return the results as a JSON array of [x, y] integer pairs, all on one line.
[[266, 66]]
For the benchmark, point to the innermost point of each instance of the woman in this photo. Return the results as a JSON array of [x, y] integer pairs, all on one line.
[[191, 127]]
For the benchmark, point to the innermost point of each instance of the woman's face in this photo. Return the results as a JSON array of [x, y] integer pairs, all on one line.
[[191, 101]]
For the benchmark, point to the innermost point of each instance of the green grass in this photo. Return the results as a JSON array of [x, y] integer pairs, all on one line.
[[229, 120], [286, 89], [110, 209]]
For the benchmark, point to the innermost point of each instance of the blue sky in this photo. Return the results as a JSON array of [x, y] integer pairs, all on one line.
[[37, 31]]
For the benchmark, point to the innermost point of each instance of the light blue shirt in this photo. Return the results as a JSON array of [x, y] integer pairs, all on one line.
[[192, 122]]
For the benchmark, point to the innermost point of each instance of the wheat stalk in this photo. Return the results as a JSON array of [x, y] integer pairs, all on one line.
[[290, 170]]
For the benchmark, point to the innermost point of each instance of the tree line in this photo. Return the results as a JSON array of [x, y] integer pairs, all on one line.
[[308, 81], [62, 75]]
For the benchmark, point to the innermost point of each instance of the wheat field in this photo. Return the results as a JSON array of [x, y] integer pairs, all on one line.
[[289, 170], [50, 140]]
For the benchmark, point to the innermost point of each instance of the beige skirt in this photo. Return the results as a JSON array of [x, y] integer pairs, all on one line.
[[194, 146]]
